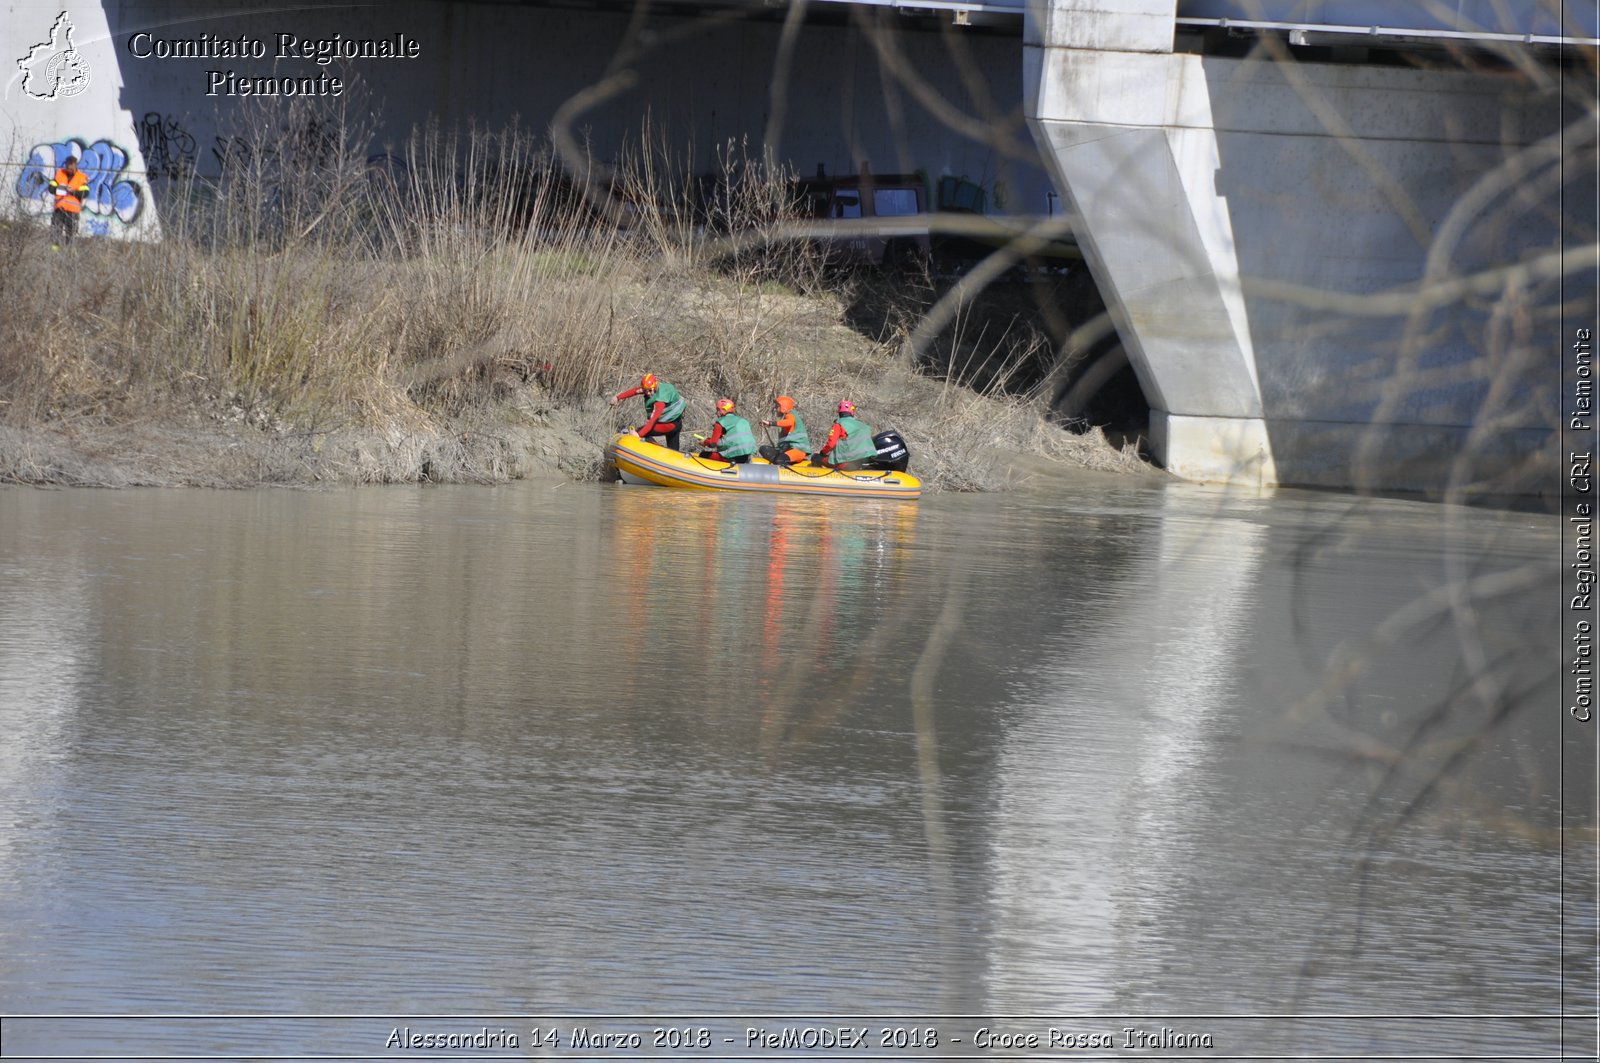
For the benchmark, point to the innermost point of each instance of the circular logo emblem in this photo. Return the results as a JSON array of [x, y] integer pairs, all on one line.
[[68, 73]]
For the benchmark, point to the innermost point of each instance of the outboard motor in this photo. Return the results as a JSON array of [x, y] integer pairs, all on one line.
[[892, 452]]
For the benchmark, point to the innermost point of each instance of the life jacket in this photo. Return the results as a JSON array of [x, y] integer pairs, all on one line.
[[668, 394], [857, 445], [737, 440], [796, 438], [67, 188]]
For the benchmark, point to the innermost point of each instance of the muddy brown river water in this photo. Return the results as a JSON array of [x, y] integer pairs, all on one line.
[[1284, 772]]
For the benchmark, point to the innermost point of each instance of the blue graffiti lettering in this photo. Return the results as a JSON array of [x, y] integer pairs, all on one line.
[[101, 162]]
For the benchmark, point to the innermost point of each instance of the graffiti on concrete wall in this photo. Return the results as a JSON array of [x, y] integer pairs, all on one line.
[[111, 195], [297, 146], [233, 153], [168, 150]]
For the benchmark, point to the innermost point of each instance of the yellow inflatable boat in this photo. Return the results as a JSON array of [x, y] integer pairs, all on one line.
[[640, 461]]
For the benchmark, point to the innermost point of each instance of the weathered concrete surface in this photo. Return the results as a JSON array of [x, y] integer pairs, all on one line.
[[1114, 25], [60, 94], [1240, 215]]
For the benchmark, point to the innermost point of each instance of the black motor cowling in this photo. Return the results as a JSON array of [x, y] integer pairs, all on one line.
[[892, 452]]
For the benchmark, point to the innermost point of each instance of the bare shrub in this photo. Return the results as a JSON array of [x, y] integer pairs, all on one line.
[[461, 276]]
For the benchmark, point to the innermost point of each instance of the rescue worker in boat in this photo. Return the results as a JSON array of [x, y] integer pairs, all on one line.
[[731, 438], [69, 187], [663, 408], [849, 441], [795, 443]]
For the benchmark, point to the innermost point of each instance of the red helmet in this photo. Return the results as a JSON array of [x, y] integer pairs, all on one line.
[[784, 404], [649, 382], [847, 407], [724, 406]]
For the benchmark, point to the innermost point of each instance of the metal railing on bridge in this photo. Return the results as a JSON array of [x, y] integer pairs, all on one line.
[[1533, 22], [1468, 21]]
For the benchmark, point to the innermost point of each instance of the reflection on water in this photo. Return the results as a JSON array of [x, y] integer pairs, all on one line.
[[783, 604], [583, 748], [1184, 616]]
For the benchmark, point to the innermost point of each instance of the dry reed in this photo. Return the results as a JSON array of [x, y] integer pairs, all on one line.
[[452, 310]]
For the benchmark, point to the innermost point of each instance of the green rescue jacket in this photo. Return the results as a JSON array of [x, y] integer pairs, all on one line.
[[737, 440], [668, 394], [797, 438], [857, 444]]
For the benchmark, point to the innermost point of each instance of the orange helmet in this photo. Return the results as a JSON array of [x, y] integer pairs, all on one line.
[[784, 404], [649, 382], [724, 406], [847, 407]]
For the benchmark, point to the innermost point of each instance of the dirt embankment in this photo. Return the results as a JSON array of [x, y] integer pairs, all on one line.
[[105, 428], [470, 328]]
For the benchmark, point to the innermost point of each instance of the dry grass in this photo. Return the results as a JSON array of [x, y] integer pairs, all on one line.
[[460, 313]]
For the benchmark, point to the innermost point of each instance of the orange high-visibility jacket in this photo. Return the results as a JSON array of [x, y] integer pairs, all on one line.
[[67, 189]]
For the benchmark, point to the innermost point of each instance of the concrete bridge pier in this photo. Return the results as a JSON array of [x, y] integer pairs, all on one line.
[[1259, 230]]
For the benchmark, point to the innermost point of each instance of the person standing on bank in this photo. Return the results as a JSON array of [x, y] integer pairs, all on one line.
[[795, 443], [731, 438], [69, 187], [663, 409], [849, 441]]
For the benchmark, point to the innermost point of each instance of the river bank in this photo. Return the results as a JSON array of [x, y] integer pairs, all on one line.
[[959, 440], [470, 326], [267, 390]]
